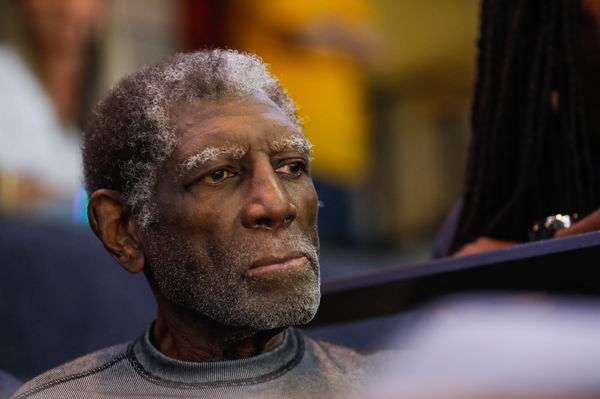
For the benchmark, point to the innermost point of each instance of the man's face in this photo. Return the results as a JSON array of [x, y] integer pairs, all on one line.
[[236, 238]]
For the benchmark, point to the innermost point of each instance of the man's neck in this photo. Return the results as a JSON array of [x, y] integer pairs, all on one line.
[[186, 335]]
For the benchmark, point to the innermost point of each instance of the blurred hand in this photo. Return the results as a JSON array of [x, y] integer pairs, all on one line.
[[588, 224], [483, 244]]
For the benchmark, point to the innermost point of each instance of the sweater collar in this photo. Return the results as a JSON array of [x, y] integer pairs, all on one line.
[[153, 364]]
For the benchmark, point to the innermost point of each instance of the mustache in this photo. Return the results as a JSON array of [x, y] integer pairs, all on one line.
[[248, 251]]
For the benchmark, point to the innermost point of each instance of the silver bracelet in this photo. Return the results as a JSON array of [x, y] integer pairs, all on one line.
[[546, 227]]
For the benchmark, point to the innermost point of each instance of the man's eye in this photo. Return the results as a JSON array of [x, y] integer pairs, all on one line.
[[217, 176], [292, 169]]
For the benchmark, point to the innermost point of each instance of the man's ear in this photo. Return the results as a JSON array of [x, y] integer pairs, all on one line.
[[115, 226]]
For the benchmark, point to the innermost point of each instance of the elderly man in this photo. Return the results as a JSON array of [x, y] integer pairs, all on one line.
[[198, 174]]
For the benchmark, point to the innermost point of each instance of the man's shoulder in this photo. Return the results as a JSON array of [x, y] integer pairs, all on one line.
[[346, 358], [80, 368]]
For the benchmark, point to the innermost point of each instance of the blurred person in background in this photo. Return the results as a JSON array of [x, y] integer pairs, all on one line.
[[533, 165], [47, 72], [321, 51]]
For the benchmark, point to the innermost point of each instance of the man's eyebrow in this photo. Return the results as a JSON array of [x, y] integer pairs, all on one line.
[[210, 154], [295, 142]]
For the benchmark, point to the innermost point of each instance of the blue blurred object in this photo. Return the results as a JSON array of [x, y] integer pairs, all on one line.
[[80, 203], [335, 214], [62, 296], [8, 384]]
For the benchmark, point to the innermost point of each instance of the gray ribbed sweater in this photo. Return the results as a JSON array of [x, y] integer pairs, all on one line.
[[301, 367]]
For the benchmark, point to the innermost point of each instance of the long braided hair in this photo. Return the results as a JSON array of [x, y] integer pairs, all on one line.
[[530, 154]]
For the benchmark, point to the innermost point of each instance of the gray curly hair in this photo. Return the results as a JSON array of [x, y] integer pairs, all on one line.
[[129, 135]]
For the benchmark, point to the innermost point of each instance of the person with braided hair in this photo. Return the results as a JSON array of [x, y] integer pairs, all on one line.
[[534, 127]]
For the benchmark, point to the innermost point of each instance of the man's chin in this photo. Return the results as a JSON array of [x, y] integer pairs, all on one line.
[[272, 313]]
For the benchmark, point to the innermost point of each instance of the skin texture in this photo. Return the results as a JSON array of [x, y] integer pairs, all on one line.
[[232, 260]]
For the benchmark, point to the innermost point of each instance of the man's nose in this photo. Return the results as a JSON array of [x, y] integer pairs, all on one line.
[[268, 205]]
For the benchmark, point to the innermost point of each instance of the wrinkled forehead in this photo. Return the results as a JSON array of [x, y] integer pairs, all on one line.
[[210, 129]]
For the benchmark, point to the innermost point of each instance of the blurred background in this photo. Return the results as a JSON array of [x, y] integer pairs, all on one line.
[[383, 87]]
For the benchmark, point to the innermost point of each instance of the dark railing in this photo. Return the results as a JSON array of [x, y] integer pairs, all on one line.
[[564, 265]]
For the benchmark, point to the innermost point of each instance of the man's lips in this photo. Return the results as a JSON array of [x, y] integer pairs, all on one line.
[[270, 264]]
